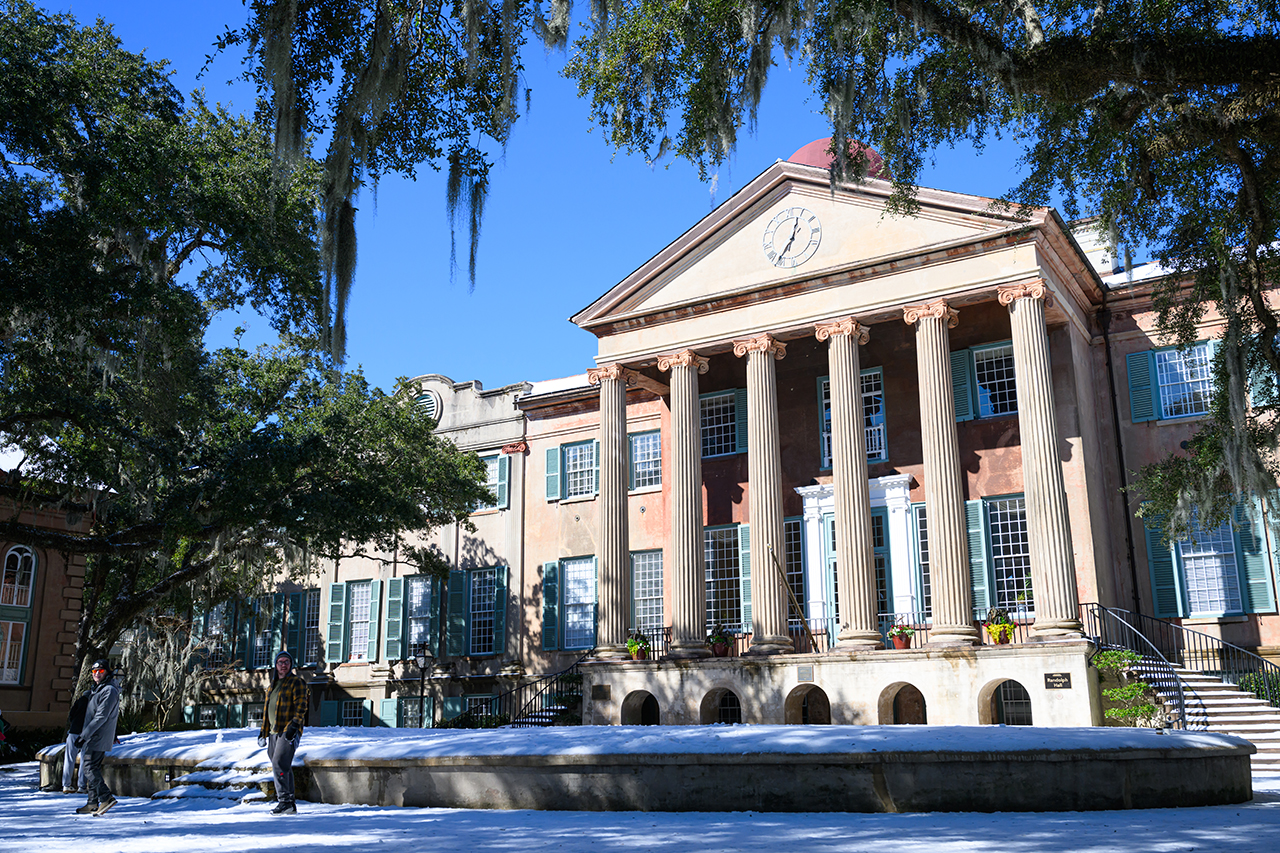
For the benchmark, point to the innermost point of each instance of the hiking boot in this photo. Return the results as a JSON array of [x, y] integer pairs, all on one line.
[[87, 808], [105, 807], [72, 791], [285, 808]]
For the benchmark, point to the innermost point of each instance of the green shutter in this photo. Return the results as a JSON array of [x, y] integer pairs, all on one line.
[[337, 623], [329, 713], [976, 528], [500, 610], [389, 714], [452, 706], [631, 463], [433, 621], [960, 387], [1166, 586], [293, 627], [235, 716], [244, 634], [375, 600], [220, 716], [551, 606], [504, 478], [740, 412], [456, 631], [366, 712], [395, 619], [189, 714], [744, 574], [553, 473], [1255, 572], [277, 624], [1142, 386], [429, 712], [595, 468]]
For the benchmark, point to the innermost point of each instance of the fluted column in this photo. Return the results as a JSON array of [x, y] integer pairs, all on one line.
[[688, 563], [952, 593], [1053, 572], [769, 634], [614, 578], [855, 553]]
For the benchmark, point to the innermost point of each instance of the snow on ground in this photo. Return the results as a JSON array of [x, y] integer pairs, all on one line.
[[35, 822]]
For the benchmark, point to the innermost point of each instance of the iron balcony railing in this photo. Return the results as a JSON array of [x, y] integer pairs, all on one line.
[[1200, 652], [1114, 629]]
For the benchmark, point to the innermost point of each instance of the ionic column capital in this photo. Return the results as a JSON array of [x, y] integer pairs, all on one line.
[[684, 358], [766, 343], [596, 375], [847, 326], [1036, 289], [938, 309]]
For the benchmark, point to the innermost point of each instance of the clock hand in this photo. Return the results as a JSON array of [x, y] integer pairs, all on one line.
[[795, 229]]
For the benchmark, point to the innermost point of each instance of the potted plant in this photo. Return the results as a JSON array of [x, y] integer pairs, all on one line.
[[638, 645], [900, 635], [720, 642], [999, 626]]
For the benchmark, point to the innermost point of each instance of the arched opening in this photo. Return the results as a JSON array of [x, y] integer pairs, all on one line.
[[807, 705], [721, 706], [902, 703], [1006, 703], [641, 709]]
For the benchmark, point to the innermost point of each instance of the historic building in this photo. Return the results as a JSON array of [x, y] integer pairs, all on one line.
[[808, 422]]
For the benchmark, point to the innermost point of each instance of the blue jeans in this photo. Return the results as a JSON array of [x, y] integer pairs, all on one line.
[[69, 766]]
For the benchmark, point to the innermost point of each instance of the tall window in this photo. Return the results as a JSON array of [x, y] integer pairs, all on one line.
[[720, 424], [880, 557], [1185, 380], [646, 590], [261, 632], [793, 551], [1010, 554], [1209, 567], [358, 621], [646, 459], [19, 570], [924, 600], [217, 634], [483, 610], [15, 595], [493, 479], [418, 608], [724, 579], [312, 643], [579, 602], [997, 389], [12, 635], [579, 469], [873, 420]]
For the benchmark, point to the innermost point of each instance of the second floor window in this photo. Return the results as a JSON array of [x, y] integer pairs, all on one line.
[[1170, 383], [873, 420], [19, 569], [646, 459]]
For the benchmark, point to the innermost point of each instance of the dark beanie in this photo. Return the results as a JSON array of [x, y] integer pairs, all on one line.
[[284, 654]]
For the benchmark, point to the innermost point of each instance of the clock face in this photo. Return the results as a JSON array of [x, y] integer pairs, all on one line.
[[792, 237]]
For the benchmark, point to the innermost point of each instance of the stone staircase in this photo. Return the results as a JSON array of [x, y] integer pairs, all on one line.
[[1216, 706], [240, 784]]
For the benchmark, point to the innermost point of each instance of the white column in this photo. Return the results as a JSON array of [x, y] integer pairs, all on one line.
[[855, 556], [688, 563], [944, 498], [614, 590], [1053, 572], [769, 597]]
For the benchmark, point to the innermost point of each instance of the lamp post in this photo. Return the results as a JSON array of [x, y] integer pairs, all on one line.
[[421, 660]]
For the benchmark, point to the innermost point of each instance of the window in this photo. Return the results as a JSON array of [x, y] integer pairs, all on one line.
[[1013, 704], [15, 611], [924, 599], [1170, 383], [1213, 572], [727, 558], [210, 716], [263, 647], [793, 560], [483, 603], [352, 713], [411, 624], [418, 613], [353, 621], [573, 470], [646, 459], [983, 381], [872, 387], [19, 570], [358, 621], [880, 563], [569, 604], [481, 705], [999, 555], [12, 635], [217, 634], [646, 593], [476, 613], [497, 473], [416, 713], [312, 647], [253, 714], [724, 422]]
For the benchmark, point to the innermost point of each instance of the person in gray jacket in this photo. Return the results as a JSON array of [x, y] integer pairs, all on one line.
[[97, 737]]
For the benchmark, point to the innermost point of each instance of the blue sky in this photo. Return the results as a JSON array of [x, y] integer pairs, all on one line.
[[565, 221]]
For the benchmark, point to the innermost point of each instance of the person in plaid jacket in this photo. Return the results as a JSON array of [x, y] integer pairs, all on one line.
[[282, 721]]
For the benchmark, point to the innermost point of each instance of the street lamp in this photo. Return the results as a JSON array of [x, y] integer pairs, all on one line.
[[421, 660]]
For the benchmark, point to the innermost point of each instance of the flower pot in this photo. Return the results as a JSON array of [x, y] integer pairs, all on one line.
[[901, 641], [640, 654], [720, 650]]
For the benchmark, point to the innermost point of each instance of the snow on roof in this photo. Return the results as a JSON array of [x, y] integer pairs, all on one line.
[[1135, 275], [568, 383]]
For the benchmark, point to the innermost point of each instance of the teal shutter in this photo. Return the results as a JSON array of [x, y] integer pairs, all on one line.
[[244, 634], [220, 716], [456, 631], [395, 619], [329, 713], [429, 712], [553, 473], [452, 707], [740, 417], [1143, 386], [189, 714], [293, 627], [504, 478], [960, 387], [277, 624], [1255, 572], [551, 606], [500, 610], [975, 522], [595, 469], [433, 621], [744, 574], [389, 714], [631, 463], [366, 715], [235, 716], [337, 624], [1166, 586], [375, 600]]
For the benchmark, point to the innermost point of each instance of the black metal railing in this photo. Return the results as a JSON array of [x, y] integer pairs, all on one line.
[[552, 700], [1210, 655], [1114, 629]]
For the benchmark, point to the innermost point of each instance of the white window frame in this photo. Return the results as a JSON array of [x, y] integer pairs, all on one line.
[[1009, 555], [482, 604], [357, 633], [875, 431], [578, 602], [715, 434], [578, 469], [19, 563], [419, 606], [723, 568], [647, 600], [644, 452], [13, 646], [1210, 572], [1193, 369], [984, 408], [312, 638]]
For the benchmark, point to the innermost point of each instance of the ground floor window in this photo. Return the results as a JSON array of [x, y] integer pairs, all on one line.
[[12, 635], [1013, 704], [723, 548], [483, 606], [253, 715], [579, 575], [1010, 555], [1209, 568], [352, 712], [646, 591]]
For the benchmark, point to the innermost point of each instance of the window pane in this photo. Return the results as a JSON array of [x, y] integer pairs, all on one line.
[[579, 603], [358, 621], [873, 414], [826, 423], [646, 587], [262, 633], [793, 549], [483, 598], [418, 608], [880, 549], [579, 469], [1209, 564], [997, 390], [646, 459], [491, 477], [19, 565], [1011, 555], [11, 635], [922, 531], [312, 649], [719, 425], [482, 705], [352, 712], [216, 634], [1185, 381], [724, 581]]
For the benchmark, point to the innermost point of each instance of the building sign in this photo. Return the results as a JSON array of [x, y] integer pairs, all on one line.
[[601, 692], [804, 673], [1057, 681]]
